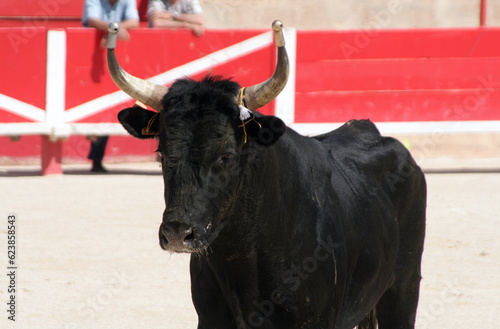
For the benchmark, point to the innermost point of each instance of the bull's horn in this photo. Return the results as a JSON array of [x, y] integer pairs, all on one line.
[[148, 93], [260, 94]]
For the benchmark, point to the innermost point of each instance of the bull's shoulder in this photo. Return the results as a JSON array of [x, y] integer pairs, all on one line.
[[358, 146], [357, 139], [360, 139], [349, 129]]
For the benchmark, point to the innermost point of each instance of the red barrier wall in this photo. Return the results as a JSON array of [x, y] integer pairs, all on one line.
[[149, 52], [398, 75], [23, 66], [41, 9], [385, 75]]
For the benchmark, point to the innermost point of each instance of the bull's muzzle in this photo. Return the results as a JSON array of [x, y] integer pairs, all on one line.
[[177, 237]]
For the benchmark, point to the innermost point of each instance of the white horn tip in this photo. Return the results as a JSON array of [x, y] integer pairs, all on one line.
[[279, 39], [113, 27], [277, 25]]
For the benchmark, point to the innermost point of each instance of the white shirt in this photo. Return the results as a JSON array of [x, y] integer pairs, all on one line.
[[102, 9], [181, 7]]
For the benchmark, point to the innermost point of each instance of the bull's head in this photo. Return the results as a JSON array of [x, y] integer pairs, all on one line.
[[205, 144]]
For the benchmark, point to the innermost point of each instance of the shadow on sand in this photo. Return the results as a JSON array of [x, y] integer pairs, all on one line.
[[80, 172]]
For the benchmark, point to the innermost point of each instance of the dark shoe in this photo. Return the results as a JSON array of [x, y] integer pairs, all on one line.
[[98, 167]]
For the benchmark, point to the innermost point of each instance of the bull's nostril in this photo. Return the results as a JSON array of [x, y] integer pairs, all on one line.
[[190, 236], [163, 240]]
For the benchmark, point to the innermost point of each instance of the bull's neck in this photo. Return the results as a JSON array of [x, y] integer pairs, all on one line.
[[269, 197], [263, 226], [286, 167]]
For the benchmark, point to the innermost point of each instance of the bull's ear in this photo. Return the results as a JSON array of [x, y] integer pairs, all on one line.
[[139, 122], [265, 130]]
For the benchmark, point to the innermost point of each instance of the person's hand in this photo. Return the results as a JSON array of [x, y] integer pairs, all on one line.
[[104, 40], [123, 34], [197, 29]]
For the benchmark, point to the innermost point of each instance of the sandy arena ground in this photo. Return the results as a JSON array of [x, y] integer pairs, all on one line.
[[88, 254]]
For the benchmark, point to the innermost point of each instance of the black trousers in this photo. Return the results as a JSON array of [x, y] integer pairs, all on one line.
[[98, 148]]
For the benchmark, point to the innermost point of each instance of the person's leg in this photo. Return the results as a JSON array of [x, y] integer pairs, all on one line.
[[97, 149]]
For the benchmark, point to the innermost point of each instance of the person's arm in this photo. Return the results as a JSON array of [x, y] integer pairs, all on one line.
[[190, 18], [124, 26], [130, 19], [93, 12], [161, 18], [166, 19], [129, 24], [193, 13], [98, 23], [197, 29]]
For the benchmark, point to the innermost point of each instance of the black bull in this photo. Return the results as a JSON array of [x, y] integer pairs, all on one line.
[[286, 231]]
